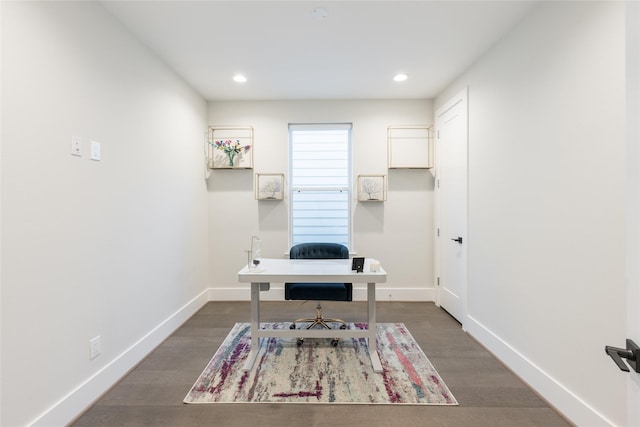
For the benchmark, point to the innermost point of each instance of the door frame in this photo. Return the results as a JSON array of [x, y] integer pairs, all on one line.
[[632, 54], [460, 97]]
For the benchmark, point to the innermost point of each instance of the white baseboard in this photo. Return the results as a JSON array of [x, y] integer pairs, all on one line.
[[78, 400], [83, 396], [74, 403], [567, 403], [276, 293]]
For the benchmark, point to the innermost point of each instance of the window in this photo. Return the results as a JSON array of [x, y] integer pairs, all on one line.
[[320, 171]]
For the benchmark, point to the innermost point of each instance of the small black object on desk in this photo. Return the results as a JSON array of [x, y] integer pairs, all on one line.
[[357, 264]]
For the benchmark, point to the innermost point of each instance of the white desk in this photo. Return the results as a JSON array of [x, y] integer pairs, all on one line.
[[310, 271]]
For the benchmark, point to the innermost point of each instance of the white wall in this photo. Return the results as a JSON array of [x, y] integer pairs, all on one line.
[[547, 204], [118, 248], [115, 248], [399, 231]]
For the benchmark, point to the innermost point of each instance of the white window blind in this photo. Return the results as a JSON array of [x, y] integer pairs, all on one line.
[[320, 182]]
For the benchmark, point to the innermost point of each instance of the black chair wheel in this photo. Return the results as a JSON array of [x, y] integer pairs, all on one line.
[[334, 342], [299, 342], [292, 326], [343, 326]]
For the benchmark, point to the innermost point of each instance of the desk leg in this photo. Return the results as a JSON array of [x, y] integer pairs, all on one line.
[[373, 328], [255, 326]]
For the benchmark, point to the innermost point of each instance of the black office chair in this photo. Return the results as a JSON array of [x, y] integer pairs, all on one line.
[[318, 291]]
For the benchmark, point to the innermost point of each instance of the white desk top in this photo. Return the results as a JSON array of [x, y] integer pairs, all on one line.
[[273, 270]]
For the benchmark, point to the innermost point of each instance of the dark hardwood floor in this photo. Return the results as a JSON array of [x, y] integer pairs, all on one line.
[[488, 394]]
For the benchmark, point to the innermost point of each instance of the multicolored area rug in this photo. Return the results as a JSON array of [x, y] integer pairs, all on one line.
[[319, 373]]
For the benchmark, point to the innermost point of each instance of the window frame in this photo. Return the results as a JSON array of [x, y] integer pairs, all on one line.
[[347, 188]]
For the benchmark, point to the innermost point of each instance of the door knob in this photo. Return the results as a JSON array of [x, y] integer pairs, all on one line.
[[631, 353], [459, 240]]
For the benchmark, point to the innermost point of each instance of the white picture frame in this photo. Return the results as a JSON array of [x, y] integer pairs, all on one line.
[[269, 186], [230, 147], [372, 188], [409, 147]]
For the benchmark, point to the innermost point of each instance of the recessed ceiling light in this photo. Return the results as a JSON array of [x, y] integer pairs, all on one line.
[[319, 13], [400, 77], [239, 78]]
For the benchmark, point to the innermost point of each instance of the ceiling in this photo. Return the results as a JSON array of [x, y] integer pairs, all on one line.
[[304, 49]]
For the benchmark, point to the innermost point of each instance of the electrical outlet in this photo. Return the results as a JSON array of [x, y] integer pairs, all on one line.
[[95, 347]]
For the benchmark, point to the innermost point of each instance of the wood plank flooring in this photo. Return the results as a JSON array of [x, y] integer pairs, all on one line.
[[488, 394]]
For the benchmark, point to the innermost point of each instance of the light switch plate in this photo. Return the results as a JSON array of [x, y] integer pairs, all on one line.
[[95, 347], [95, 150]]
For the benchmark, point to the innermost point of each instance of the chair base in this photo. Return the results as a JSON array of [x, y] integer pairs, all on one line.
[[318, 321]]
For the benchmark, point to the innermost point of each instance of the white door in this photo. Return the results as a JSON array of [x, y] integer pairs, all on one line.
[[451, 186]]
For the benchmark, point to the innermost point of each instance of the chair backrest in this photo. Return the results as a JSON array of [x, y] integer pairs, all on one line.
[[319, 251]]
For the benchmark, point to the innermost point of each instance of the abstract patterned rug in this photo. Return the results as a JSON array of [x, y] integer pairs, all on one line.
[[320, 373]]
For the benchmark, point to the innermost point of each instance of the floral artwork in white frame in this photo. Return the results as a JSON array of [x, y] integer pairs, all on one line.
[[230, 147], [269, 186], [372, 188]]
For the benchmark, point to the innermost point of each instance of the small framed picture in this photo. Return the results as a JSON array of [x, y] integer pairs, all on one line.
[[357, 264], [372, 188], [269, 186]]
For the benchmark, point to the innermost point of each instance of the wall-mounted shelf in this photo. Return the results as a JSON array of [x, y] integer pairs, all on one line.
[[230, 147], [409, 147]]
